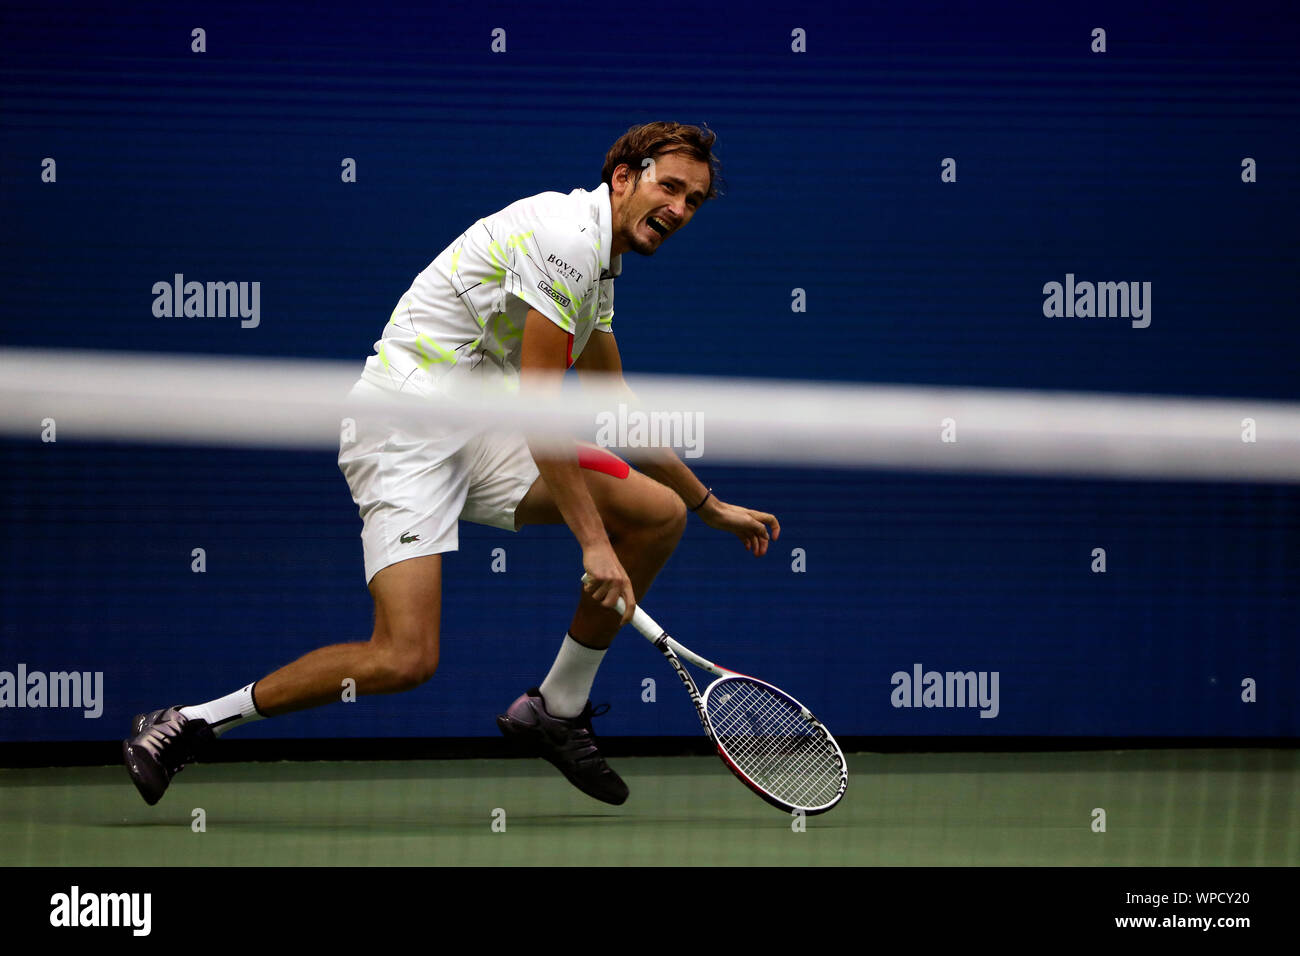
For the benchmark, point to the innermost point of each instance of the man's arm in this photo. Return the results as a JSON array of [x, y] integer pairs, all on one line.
[[543, 362], [601, 364]]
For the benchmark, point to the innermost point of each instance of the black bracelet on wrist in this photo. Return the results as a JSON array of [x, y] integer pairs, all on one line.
[[702, 500]]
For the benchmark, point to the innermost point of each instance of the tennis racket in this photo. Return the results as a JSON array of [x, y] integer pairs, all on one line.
[[768, 739]]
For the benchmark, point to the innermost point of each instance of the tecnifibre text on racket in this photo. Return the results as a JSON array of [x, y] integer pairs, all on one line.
[[768, 739]]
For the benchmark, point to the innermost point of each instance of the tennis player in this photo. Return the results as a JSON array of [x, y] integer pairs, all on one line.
[[519, 298]]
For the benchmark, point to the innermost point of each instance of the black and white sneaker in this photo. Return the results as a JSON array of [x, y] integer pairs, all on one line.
[[160, 745], [568, 743]]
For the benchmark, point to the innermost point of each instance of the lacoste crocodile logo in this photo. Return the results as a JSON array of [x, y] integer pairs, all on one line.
[[408, 538]]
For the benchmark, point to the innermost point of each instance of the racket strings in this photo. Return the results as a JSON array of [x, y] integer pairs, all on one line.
[[766, 735]]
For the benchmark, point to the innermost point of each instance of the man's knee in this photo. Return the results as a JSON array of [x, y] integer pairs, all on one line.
[[664, 519], [651, 513], [409, 671], [407, 665], [676, 523]]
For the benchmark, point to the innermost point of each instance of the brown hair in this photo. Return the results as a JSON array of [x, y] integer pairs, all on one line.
[[654, 139]]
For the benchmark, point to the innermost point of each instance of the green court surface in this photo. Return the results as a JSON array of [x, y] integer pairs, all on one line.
[[1162, 808]]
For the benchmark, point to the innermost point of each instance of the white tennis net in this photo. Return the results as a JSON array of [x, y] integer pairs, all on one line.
[[299, 404]]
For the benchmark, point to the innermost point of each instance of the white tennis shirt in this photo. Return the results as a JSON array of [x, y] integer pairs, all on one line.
[[464, 314]]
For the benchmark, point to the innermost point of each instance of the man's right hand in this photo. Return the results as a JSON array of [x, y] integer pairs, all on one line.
[[606, 580]]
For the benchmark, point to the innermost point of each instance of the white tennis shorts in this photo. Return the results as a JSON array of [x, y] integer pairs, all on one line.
[[412, 489]]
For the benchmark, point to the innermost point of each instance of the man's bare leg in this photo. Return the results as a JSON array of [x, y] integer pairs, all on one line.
[[401, 654], [644, 519]]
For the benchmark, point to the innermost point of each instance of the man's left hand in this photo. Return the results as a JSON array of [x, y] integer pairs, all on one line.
[[755, 528]]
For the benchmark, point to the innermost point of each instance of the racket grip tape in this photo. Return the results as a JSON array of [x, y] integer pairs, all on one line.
[[640, 619], [621, 607]]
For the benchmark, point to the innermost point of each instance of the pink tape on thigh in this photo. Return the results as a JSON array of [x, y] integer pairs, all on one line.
[[598, 459]]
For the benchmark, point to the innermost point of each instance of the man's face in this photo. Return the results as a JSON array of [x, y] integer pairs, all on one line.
[[648, 209]]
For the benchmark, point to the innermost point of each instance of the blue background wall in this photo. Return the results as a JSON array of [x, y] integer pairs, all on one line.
[[225, 166]]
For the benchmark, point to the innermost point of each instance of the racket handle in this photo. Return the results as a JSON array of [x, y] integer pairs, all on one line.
[[640, 619]]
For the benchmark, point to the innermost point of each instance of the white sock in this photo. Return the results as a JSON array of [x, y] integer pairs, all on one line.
[[227, 712], [568, 685]]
